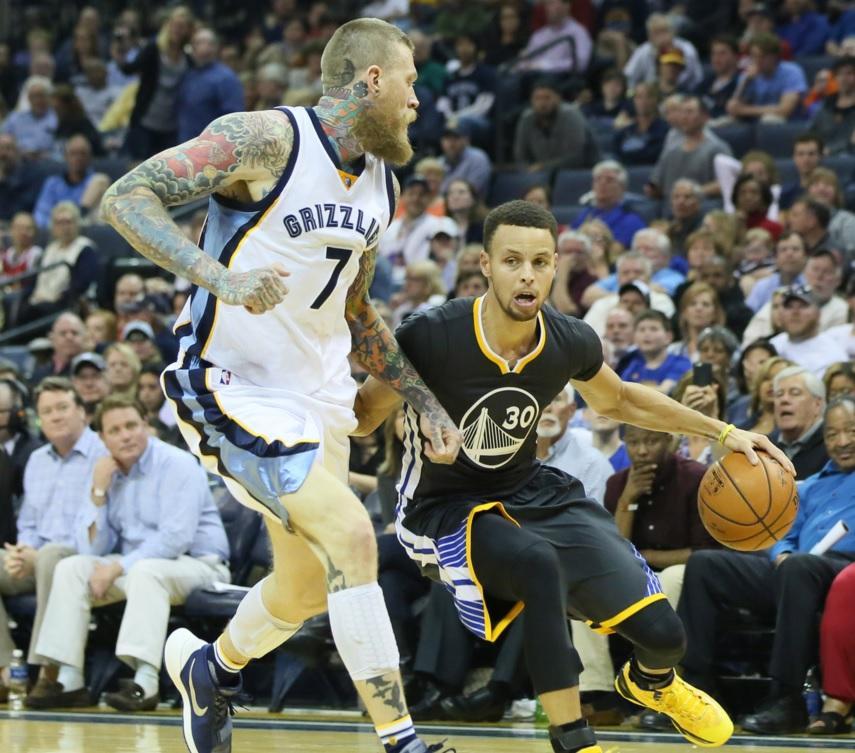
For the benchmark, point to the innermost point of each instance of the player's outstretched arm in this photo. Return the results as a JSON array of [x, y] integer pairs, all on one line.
[[232, 151], [376, 350], [643, 406]]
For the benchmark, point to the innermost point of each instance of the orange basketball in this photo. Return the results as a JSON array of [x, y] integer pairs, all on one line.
[[747, 507]]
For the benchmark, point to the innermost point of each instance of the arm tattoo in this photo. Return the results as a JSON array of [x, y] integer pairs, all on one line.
[[243, 146], [335, 577], [388, 690], [374, 346]]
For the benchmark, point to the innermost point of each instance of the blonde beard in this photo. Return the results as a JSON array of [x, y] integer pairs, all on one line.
[[384, 135]]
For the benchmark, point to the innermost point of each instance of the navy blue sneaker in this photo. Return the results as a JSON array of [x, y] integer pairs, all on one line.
[[207, 707]]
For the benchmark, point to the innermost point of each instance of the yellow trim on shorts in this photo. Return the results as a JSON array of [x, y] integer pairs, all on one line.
[[250, 231], [490, 633], [491, 355], [607, 626]]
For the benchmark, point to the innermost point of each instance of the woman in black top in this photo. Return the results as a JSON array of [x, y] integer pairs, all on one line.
[[161, 65]]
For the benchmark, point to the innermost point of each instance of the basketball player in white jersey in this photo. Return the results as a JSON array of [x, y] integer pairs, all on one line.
[[262, 386]]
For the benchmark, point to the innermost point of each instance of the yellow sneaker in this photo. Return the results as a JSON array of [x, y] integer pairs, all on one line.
[[696, 715]]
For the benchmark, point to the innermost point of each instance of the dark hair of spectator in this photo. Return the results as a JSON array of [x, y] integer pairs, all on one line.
[[728, 40], [767, 43], [847, 61], [56, 384], [116, 402], [817, 209], [744, 387], [155, 369], [765, 190], [810, 138], [614, 74], [547, 82], [519, 214], [652, 315]]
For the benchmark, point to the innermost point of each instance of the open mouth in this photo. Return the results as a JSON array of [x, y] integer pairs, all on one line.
[[525, 299]]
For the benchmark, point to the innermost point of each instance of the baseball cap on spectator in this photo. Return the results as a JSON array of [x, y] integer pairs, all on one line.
[[40, 345], [640, 287], [446, 227], [413, 180], [87, 359], [673, 56], [800, 293], [455, 130], [138, 327]]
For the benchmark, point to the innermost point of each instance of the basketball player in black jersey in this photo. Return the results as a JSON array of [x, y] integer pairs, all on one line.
[[505, 533]]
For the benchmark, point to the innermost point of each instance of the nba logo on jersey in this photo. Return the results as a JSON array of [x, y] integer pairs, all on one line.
[[496, 427]]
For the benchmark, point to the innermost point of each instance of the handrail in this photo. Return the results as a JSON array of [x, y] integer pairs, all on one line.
[[12, 336], [5, 282], [509, 65]]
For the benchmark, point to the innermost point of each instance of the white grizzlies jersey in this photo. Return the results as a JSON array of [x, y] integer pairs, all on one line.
[[317, 227]]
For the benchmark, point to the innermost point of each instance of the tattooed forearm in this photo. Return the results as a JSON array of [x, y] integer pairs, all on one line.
[[387, 689], [374, 346], [242, 146]]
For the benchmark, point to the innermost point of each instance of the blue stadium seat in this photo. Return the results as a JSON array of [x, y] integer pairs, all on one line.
[[507, 186], [638, 177], [786, 171], [740, 137], [843, 165], [110, 244], [570, 185], [778, 138], [647, 209], [813, 64], [113, 167], [566, 215]]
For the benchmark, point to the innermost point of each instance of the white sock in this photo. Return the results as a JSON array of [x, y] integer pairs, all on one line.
[[71, 678], [148, 678]]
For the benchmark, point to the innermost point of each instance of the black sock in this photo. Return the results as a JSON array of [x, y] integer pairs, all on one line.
[[224, 675], [649, 680]]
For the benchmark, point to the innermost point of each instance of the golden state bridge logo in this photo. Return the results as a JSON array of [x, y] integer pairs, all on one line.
[[496, 427]]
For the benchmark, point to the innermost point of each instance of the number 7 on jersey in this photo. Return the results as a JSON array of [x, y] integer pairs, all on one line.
[[341, 257]]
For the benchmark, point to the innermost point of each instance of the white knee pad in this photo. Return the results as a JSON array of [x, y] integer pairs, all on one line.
[[253, 630], [363, 632]]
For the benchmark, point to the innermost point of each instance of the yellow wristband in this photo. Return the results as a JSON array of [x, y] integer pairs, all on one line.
[[724, 433]]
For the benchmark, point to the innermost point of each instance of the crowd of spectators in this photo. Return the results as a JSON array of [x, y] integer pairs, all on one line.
[[715, 264]]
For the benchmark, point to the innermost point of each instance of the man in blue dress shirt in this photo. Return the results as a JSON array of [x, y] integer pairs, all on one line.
[[787, 586], [208, 90], [55, 480], [149, 533]]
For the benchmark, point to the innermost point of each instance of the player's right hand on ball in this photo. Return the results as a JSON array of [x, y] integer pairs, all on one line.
[[258, 290]]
